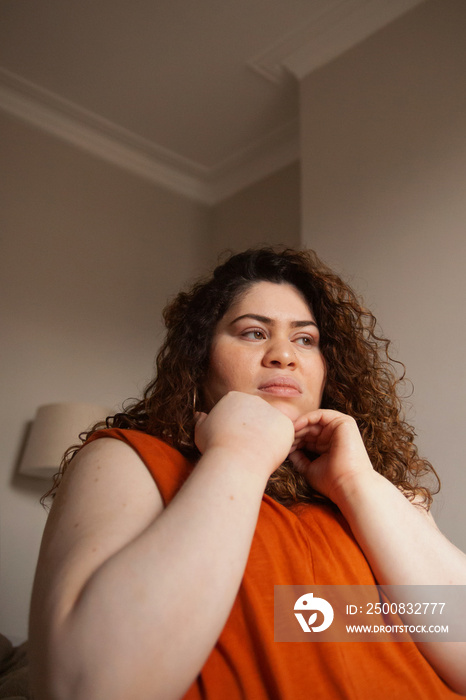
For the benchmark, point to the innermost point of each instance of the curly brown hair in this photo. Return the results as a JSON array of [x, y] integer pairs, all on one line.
[[362, 379]]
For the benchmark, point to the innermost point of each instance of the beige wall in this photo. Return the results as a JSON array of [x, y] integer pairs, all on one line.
[[89, 255], [267, 212], [384, 183]]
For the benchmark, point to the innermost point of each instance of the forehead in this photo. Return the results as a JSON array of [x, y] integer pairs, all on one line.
[[274, 300]]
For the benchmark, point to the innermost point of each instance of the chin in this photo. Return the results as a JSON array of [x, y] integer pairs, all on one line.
[[289, 409]]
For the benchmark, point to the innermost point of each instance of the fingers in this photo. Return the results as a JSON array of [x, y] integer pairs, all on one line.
[[307, 419], [316, 422], [323, 417], [309, 427], [299, 461], [200, 417], [312, 430], [317, 430]]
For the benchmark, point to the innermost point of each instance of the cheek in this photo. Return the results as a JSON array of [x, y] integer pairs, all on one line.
[[323, 375], [228, 372], [321, 371], [220, 378], [316, 378], [225, 378], [220, 368]]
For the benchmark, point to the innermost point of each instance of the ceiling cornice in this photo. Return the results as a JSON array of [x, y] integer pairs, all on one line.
[[104, 139], [344, 24], [260, 159]]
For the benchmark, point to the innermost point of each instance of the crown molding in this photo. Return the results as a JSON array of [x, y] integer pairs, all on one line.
[[100, 137], [344, 24], [274, 151], [90, 132], [270, 64]]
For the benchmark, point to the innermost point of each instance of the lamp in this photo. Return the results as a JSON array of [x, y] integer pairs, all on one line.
[[56, 427]]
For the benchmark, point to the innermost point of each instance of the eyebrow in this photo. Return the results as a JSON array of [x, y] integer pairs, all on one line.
[[271, 322]]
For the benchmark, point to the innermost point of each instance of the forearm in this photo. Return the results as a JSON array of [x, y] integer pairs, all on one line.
[[403, 546], [401, 543], [146, 620]]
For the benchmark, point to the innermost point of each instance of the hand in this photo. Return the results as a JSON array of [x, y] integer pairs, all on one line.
[[249, 426], [336, 438]]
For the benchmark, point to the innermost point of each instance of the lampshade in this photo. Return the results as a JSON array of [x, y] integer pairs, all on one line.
[[55, 428]]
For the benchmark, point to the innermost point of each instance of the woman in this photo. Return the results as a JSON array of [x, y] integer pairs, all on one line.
[[161, 551]]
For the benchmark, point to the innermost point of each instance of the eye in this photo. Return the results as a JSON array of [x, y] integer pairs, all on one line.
[[254, 334], [306, 341]]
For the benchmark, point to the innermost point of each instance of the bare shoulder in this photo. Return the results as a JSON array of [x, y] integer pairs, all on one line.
[[106, 482], [107, 498]]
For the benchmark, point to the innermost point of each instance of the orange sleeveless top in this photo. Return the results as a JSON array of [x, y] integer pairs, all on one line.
[[309, 545]]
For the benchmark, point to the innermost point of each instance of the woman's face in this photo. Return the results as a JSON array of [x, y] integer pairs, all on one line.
[[268, 344]]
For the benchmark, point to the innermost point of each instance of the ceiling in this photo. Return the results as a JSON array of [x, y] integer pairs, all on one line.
[[198, 95]]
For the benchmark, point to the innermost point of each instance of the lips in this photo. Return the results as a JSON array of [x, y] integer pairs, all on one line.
[[281, 386]]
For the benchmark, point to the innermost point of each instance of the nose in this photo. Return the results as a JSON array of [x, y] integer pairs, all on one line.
[[279, 353]]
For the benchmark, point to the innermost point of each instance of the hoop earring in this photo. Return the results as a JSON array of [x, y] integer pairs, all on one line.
[[195, 399]]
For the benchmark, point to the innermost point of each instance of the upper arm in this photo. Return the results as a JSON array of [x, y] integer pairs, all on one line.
[[106, 499], [419, 503]]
